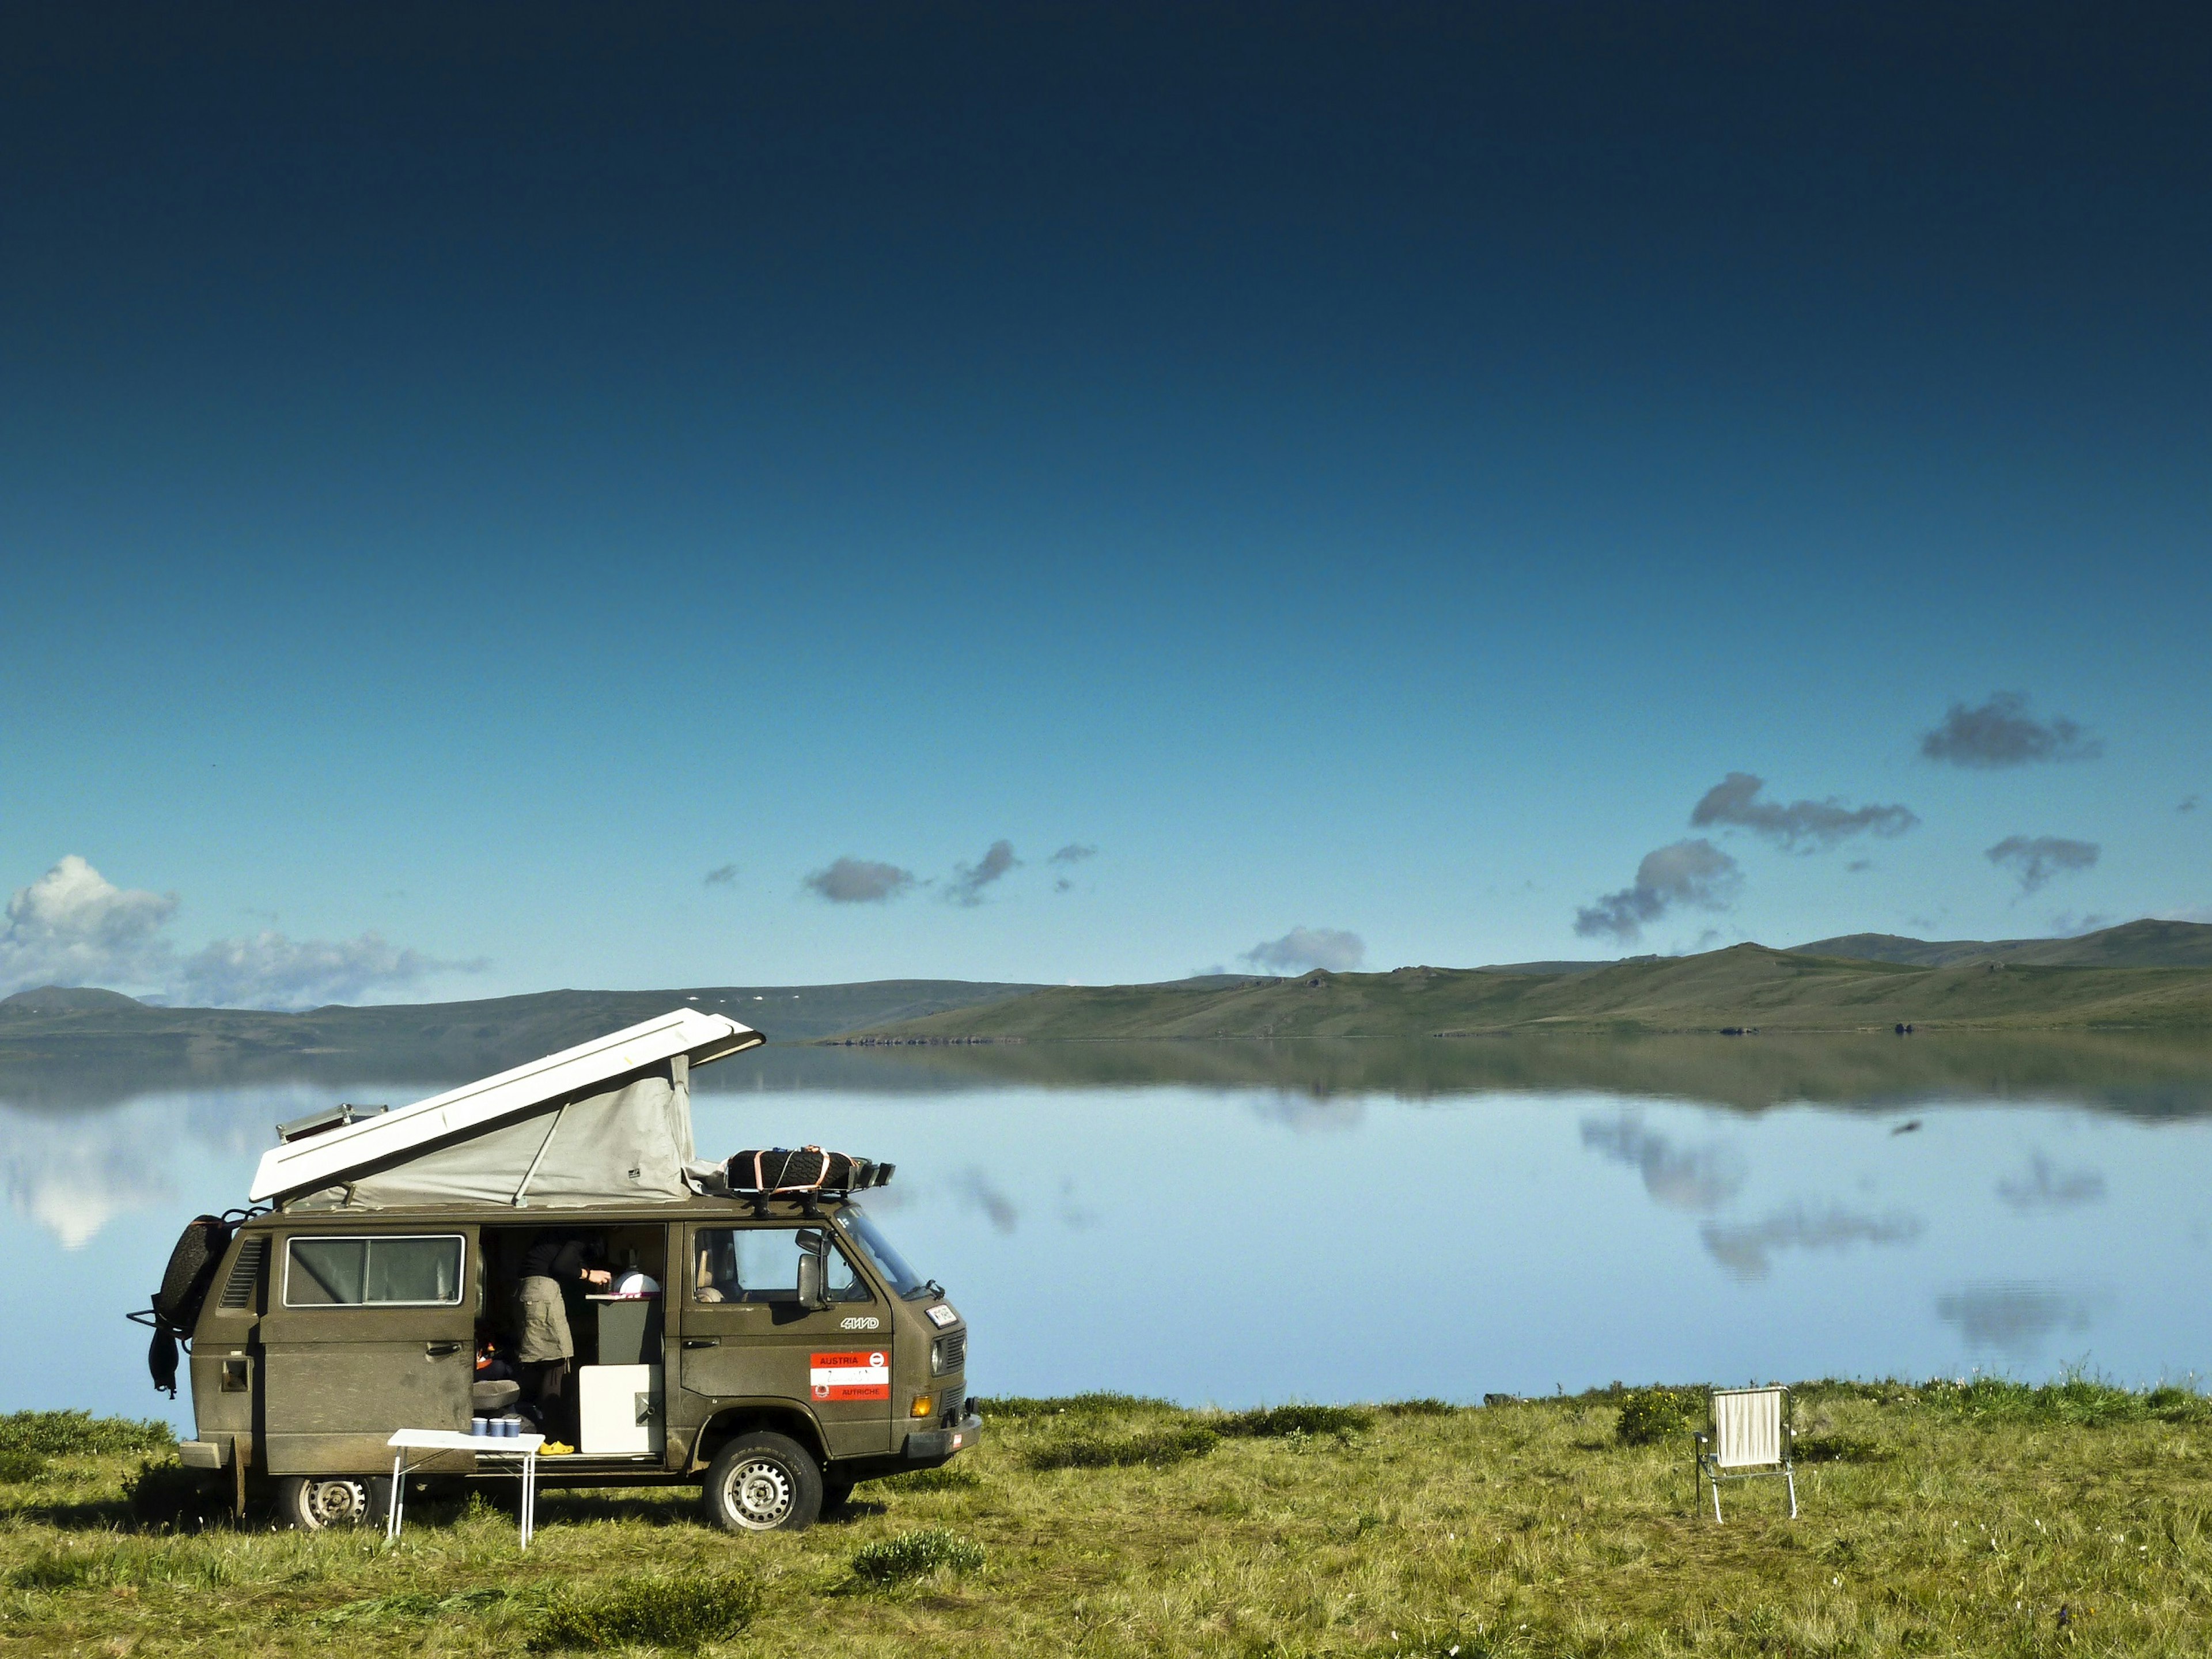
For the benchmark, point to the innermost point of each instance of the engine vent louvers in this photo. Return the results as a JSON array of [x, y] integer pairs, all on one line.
[[238, 1289]]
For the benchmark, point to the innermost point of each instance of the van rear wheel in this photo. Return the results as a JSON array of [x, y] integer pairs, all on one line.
[[316, 1503], [764, 1482]]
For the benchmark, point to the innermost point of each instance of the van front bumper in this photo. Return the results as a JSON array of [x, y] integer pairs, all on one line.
[[935, 1446]]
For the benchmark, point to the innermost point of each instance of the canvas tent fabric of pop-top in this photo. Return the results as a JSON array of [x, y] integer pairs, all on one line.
[[608, 1120]]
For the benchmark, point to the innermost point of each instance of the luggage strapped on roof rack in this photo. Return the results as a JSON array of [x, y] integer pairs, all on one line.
[[805, 1172]]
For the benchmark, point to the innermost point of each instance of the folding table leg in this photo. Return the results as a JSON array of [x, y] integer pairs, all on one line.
[[1791, 1476], [394, 1505], [1716, 1497]]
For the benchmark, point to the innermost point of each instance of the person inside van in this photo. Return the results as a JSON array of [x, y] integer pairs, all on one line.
[[554, 1261], [714, 1277]]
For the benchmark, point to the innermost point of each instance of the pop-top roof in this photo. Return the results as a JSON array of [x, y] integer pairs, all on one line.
[[321, 1160]]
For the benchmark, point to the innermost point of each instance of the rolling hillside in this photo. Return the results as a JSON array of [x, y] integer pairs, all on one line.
[[461, 1039], [2144, 943], [1746, 985]]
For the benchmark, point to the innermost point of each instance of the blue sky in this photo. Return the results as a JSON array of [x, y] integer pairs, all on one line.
[[1371, 471]]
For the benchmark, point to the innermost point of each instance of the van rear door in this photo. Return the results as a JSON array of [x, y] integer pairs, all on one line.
[[370, 1329]]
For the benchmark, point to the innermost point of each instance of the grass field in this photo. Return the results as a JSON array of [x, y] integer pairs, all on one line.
[[1992, 1519]]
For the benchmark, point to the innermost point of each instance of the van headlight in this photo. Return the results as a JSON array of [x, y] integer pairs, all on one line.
[[948, 1354]]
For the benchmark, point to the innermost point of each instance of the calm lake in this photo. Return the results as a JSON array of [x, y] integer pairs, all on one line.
[[1243, 1223]]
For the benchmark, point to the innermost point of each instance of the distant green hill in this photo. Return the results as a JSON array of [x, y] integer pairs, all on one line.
[[439, 1039], [2133, 945], [1746, 985]]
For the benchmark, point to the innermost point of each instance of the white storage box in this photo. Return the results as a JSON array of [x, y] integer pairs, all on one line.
[[620, 1408]]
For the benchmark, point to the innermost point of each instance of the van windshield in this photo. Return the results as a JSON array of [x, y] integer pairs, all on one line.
[[905, 1284]]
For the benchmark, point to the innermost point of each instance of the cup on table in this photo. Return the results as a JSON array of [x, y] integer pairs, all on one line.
[[480, 1425]]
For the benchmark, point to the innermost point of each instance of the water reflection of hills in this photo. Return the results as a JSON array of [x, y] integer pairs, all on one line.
[[80, 1144], [2142, 1076]]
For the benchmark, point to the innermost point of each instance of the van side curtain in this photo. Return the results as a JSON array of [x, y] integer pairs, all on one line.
[[630, 1143]]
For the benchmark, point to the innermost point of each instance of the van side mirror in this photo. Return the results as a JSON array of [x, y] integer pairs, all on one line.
[[810, 1281]]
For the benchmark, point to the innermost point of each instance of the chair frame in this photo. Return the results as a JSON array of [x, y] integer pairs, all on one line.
[[1704, 1464]]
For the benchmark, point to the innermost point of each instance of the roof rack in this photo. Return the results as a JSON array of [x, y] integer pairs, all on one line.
[[331, 1117]]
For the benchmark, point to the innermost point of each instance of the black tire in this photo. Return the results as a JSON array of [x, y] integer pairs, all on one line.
[[192, 1264], [837, 1492], [762, 1482], [322, 1503]]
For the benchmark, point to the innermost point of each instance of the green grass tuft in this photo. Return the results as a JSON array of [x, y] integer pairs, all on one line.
[[1839, 1449], [1021, 1408], [951, 1477], [59, 1569], [1156, 1448], [418, 1605], [659, 1611], [65, 1434], [1275, 1422], [16, 1467], [2075, 1398], [916, 1555], [1417, 1408]]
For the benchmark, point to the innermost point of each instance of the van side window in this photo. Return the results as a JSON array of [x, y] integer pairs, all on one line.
[[760, 1264], [373, 1271]]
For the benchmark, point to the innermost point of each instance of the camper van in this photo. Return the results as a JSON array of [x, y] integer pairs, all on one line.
[[769, 1346]]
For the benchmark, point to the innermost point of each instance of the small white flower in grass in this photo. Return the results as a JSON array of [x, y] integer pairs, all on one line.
[[1837, 1583]]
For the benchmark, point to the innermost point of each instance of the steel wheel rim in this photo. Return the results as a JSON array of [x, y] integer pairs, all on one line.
[[337, 1502], [760, 1493]]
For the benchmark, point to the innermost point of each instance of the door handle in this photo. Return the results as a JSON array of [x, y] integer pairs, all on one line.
[[702, 1341], [439, 1350]]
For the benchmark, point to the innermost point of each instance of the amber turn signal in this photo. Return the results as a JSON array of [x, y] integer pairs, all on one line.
[[920, 1406]]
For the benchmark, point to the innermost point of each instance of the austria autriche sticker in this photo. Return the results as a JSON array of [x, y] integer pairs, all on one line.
[[850, 1376]]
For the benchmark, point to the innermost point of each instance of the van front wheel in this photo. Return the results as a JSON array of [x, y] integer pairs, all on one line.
[[314, 1502], [764, 1482]]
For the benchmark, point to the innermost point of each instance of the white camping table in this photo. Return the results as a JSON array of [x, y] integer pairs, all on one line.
[[521, 1448]]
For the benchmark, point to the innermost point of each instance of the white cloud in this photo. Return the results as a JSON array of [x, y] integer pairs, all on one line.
[[1686, 873], [2001, 733], [860, 881], [1801, 826], [1332, 948], [74, 926], [969, 880], [2036, 859], [271, 971]]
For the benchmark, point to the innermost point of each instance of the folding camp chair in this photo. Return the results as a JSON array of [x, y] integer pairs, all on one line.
[[1747, 1435]]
